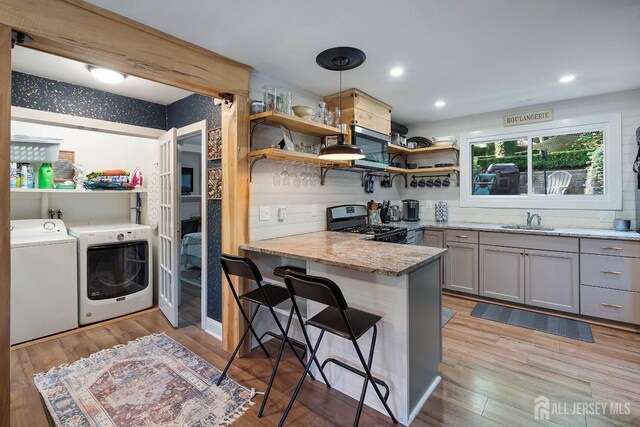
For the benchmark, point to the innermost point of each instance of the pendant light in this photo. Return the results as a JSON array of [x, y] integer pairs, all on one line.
[[341, 59]]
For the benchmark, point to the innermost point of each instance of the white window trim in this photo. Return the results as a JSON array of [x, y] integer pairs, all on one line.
[[610, 124]]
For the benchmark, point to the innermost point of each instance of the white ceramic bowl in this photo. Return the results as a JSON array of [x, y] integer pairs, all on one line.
[[303, 111]]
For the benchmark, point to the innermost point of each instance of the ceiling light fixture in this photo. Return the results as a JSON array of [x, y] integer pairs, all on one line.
[[396, 72], [341, 59], [105, 75], [567, 79], [440, 104]]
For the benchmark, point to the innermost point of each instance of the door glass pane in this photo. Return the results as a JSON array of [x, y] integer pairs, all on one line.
[[568, 164], [499, 168]]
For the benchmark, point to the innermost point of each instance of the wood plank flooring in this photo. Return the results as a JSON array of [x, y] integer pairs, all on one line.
[[491, 372]]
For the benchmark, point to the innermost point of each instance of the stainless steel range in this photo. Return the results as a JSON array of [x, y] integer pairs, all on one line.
[[353, 219]]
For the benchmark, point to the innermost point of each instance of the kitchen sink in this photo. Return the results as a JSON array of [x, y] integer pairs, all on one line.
[[527, 227]]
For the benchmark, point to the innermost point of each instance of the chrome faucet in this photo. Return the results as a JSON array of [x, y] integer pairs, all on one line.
[[531, 217]]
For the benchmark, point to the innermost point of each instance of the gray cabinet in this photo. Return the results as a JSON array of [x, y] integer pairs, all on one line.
[[461, 267], [435, 239], [552, 280], [502, 273]]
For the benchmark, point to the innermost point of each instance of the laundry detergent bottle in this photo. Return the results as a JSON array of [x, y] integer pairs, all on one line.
[[45, 176]]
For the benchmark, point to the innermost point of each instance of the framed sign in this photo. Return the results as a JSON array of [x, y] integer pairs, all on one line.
[[525, 118], [214, 144]]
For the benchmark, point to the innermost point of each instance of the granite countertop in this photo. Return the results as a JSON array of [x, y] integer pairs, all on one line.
[[348, 250], [593, 233]]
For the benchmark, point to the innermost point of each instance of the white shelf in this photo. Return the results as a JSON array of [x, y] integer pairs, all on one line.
[[75, 191]]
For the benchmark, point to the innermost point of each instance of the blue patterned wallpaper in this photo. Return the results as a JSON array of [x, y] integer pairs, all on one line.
[[38, 93], [181, 113]]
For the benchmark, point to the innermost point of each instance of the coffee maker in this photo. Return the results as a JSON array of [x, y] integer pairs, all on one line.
[[410, 210]]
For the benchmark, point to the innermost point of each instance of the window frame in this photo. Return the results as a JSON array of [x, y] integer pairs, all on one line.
[[609, 124]]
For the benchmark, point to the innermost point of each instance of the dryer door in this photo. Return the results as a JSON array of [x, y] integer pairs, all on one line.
[[117, 270]]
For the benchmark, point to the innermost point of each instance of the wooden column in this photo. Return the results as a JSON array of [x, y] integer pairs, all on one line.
[[235, 209], [5, 247]]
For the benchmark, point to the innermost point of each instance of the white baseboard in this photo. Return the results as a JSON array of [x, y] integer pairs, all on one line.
[[423, 400], [214, 328]]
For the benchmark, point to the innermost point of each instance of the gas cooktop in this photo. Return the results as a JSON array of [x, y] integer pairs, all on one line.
[[373, 229]]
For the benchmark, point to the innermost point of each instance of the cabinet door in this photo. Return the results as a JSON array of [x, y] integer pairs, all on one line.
[[433, 238], [552, 280], [502, 273], [461, 267]]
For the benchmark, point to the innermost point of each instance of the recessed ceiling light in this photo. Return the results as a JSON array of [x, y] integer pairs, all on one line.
[[440, 104], [105, 75], [396, 72], [567, 79]]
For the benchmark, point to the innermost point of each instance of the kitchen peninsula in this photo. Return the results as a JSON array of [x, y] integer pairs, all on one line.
[[401, 283]]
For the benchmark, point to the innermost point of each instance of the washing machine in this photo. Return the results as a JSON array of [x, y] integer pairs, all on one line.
[[115, 272], [44, 281]]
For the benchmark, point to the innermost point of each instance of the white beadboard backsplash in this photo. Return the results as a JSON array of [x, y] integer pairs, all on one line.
[[628, 103]]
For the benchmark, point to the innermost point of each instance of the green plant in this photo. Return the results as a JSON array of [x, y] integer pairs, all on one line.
[[595, 173], [505, 148], [573, 159]]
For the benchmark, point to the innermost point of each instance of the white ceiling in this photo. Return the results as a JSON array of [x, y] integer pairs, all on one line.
[[66, 70], [478, 56]]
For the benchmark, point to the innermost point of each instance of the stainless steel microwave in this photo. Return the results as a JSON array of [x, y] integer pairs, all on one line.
[[375, 146]]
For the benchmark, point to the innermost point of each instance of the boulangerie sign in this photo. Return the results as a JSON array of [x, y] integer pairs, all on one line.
[[527, 117]]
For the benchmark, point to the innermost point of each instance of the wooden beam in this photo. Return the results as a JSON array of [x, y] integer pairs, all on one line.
[[83, 32], [235, 209], [87, 33], [5, 197]]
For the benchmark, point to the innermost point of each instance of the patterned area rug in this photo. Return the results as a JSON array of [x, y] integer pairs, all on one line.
[[152, 381]]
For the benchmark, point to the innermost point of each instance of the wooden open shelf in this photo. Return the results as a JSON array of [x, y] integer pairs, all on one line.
[[294, 156], [423, 170], [75, 191], [295, 124], [434, 149]]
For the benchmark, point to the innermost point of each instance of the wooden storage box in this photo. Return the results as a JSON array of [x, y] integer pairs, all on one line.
[[360, 109]]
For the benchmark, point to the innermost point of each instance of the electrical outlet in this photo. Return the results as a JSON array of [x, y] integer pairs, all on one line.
[[265, 213], [282, 213], [607, 216], [314, 210]]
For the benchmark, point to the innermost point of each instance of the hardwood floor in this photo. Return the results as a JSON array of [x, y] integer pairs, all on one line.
[[491, 372], [189, 310]]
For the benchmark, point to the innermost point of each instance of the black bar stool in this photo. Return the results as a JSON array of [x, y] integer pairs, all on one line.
[[266, 295], [338, 319]]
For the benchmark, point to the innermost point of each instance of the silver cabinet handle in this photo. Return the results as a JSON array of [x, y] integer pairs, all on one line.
[[611, 248], [615, 273], [610, 305], [462, 236]]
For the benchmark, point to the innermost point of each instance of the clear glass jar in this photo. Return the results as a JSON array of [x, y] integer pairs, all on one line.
[[270, 97], [283, 103]]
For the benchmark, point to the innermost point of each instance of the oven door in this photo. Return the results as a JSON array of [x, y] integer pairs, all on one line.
[[375, 146], [117, 270]]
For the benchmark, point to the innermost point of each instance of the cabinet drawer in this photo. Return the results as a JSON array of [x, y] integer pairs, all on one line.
[[528, 241], [612, 304], [464, 236], [610, 272], [610, 247]]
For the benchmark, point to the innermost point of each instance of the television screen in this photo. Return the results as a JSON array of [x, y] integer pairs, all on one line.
[[186, 181]]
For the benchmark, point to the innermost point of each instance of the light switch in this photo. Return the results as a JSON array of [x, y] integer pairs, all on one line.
[[314, 210], [265, 213]]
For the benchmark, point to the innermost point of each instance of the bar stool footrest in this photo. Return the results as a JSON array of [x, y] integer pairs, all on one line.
[[295, 343], [357, 372]]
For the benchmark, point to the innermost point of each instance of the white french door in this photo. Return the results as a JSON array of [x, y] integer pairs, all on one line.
[[169, 227]]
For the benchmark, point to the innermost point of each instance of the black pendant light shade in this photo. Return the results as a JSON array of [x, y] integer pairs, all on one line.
[[341, 59]]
